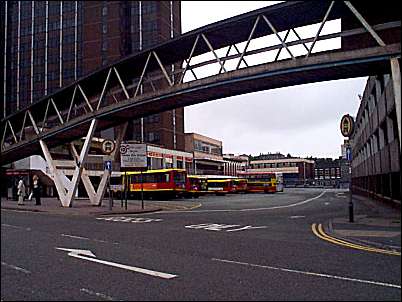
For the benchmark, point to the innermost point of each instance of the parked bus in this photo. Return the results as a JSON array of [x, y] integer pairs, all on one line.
[[260, 181], [196, 185], [165, 183], [240, 185], [220, 186]]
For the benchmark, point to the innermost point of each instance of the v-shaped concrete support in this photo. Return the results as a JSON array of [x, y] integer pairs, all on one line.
[[67, 190], [96, 197]]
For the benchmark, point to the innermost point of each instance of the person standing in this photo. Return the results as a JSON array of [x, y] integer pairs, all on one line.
[[21, 192], [36, 190]]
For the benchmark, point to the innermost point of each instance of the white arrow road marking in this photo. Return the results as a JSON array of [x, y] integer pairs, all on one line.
[[78, 254]]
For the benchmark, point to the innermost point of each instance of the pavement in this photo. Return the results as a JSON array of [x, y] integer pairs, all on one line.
[[375, 224]]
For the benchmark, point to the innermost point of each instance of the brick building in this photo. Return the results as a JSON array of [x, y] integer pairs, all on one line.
[[50, 44]]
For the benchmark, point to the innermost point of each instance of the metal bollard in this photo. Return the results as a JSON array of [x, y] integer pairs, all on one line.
[[351, 218]]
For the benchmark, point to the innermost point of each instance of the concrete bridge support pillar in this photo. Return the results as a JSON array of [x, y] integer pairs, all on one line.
[[67, 192]]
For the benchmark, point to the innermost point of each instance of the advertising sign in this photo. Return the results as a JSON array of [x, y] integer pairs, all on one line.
[[133, 155]]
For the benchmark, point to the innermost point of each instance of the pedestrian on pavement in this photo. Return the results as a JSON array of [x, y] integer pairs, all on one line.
[[21, 191], [36, 190]]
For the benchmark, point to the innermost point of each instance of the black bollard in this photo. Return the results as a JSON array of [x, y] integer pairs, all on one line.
[[351, 218]]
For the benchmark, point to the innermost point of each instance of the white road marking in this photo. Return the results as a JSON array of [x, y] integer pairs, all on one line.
[[129, 219], [79, 254], [222, 227], [310, 273], [17, 268], [100, 295], [15, 227], [75, 237], [10, 226], [247, 227], [253, 209], [297, 217]]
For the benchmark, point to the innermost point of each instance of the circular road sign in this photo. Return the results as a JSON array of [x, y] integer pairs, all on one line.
[[108, 146], [347, 125]]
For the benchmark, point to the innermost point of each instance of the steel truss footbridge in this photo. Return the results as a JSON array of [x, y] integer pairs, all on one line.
[[167, 76]]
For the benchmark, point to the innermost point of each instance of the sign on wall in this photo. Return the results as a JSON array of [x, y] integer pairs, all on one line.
[[133, 155]]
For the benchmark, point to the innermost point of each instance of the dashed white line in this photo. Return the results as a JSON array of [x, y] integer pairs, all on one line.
[[15, 227], [100, 295], [75, 237], [310, 273], [17, 268], [85, 238]]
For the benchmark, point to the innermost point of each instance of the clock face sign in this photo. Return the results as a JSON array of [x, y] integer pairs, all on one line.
[[347, 125]]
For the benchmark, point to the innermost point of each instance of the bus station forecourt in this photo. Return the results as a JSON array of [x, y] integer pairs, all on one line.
[[371, 217]]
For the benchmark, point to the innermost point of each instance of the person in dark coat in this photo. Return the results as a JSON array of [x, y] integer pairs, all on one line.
[[36, 190]]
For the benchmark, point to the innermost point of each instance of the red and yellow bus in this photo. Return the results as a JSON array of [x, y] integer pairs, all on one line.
[[239, 185], [156, 183], [260, 181], [220, 186], [196, 185]]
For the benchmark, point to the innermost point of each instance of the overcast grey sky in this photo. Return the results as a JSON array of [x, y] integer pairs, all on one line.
[[301, 120]]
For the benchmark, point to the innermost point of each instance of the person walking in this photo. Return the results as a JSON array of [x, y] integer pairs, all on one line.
[[36, 190], [21, 192]]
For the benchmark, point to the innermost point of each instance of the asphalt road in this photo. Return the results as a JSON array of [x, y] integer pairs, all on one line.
[[236, 247]]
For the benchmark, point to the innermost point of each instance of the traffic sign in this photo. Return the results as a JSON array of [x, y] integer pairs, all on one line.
[[349, 153], [347, 125], [108, 165], [108, 146]]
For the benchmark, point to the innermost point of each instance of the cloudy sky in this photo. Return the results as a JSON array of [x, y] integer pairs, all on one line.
[[301, 120]]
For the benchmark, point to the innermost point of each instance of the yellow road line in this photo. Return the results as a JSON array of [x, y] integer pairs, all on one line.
[[354, 245], [319, 232]]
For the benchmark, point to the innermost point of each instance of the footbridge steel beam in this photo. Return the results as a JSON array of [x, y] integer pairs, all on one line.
[[146, 83]]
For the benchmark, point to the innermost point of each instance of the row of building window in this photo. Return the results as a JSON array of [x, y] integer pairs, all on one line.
[[207, 148], [40, 27], [273, 165]]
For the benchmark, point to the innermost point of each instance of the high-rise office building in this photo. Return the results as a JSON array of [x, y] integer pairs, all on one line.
[[46, 45]]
